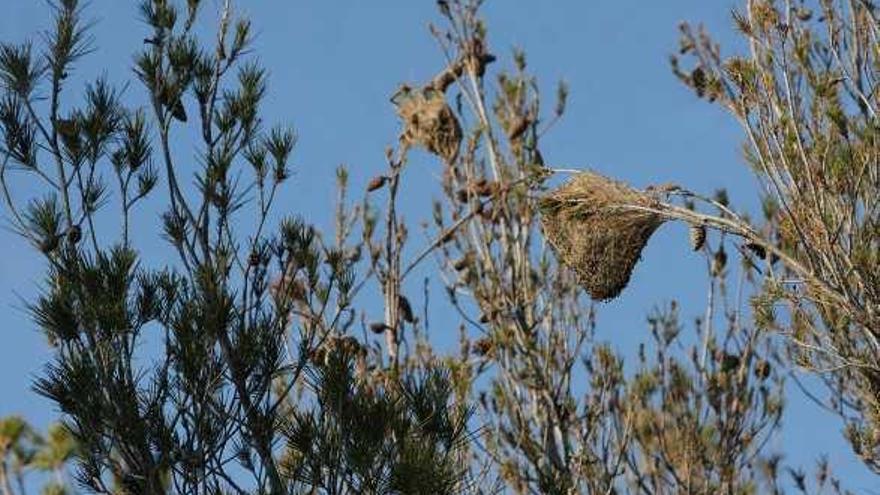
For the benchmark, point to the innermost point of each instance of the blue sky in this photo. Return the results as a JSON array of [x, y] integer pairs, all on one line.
[[332, 67]]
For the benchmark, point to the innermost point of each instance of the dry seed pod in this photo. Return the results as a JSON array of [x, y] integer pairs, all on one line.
[[697, 237], [591, 224], [491, 316], [375, 253], [254, 259], [729, 362], [354, 254], [376, 183], [757, 249], [698, 79], [463, 262], [719, 261], [447, 236], [517, 127], [378, 327], [482, 346], [406, 311], [486, 188], [74, 234], [803, 14], [762, 369]]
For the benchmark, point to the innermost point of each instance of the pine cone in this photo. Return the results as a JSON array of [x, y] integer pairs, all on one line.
[[697, 237]]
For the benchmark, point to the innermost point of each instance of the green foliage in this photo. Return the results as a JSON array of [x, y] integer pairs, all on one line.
[[804, 95], [241, 318], [23, 450], [400, 436]]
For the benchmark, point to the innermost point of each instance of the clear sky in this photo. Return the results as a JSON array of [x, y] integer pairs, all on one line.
[[333, 66]]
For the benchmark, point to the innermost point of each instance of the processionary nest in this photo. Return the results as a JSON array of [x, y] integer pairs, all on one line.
[[428, 121], [598, 228]]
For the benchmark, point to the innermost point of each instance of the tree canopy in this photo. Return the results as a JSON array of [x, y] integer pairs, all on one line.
[[248, 360]]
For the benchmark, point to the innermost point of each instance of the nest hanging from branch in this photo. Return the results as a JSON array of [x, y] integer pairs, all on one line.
[[598, 228]]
